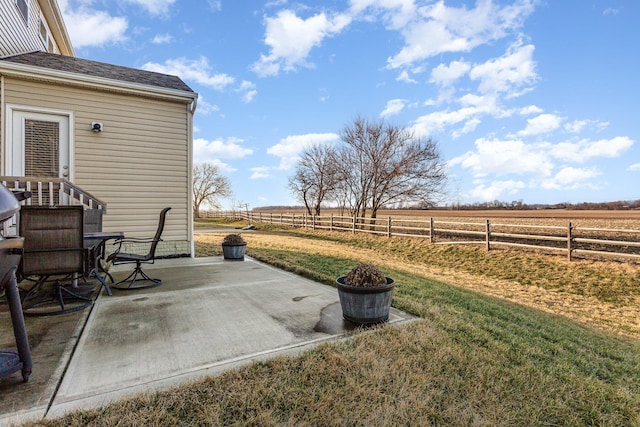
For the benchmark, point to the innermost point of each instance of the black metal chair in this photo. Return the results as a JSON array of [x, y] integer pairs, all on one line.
[[138, 275], [53, 259]]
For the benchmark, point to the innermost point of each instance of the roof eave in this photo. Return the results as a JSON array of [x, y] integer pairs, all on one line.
[[8, 68]]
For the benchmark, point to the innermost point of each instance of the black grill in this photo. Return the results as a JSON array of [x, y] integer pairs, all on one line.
[[10, 252]]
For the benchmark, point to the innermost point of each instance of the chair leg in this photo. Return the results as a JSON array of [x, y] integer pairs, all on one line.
[[42, 302], [133, 278]]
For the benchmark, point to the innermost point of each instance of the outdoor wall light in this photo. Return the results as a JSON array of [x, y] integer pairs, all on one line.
[[97, 127]]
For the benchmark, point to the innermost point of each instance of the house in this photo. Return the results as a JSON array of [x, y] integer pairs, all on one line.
[[29, 25], [114, 137]]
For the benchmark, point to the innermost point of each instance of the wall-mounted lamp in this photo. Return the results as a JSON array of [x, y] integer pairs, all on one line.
[[97, 127]]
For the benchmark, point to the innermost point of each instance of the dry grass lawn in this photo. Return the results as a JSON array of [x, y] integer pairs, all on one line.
[[602, 294], [473, 358]]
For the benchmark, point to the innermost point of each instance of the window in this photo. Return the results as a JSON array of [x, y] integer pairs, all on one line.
[[43, 31], [23, 7], [45, 36]]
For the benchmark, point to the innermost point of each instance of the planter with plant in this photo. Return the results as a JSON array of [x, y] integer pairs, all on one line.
[[365, 295], [234, 247]]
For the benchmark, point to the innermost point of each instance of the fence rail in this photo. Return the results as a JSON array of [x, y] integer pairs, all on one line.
[[571, 240]]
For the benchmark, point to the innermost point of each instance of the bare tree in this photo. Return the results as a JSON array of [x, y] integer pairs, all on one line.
[[315, 177], [208, 187], [382, 164]]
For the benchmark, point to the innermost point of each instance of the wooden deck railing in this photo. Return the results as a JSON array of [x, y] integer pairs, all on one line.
[[53, 192]]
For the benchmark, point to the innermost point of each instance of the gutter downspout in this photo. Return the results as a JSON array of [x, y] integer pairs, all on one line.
[[192, 111]]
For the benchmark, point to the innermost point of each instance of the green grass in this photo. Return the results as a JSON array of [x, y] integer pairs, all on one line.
[[469, 360]]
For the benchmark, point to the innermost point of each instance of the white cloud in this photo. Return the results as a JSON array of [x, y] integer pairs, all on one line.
[[469, 126], [394, 106], [260, 172], [248, 89], [530, 109], [162, 39], [634, 167], [204, 107], [445, 75], [570, 178], [404, 76], [544, 123], [512, 73], [496, 189], [219, 149], [87, 27], [434, 28], [222, 166], [497, 157], [473, 106], [291, 38], [215, 5], [192, 70], [576, 126], [397, 13], [154, 7], [289, 148], [585, 149]]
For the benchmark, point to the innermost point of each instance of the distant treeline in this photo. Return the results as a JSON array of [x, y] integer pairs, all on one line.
[[519, 205], [496, 204]]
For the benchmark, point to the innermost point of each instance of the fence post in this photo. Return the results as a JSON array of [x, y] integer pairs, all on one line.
[[432, 231], [353, 224], [281, 223], [488, 236], [331, 222], [389, 227], [569, 240], [313, 222]]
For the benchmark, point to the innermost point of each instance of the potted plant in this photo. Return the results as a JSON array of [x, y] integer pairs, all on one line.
[[233, 247], [365, 294]]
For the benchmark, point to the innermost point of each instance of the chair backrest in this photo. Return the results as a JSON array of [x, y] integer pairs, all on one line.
[[156, 238], [53, 240], [92, 220]]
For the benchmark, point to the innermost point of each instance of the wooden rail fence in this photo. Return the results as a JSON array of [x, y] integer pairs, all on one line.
[[570, 240]]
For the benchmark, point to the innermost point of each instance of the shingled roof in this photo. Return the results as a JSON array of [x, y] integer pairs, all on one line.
[[98, 69]]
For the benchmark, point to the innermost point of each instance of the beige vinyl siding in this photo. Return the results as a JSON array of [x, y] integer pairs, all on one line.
[[137, 165], [16, 36]]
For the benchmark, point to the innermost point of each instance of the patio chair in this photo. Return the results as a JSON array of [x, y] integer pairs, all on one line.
[[95, 248], [53, 259], [132, 281]]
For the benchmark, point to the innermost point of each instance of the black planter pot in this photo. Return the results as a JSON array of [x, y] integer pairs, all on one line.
[[365, 305], [234, 252]]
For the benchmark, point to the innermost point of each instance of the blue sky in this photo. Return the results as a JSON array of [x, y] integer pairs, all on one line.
[[533, 100]]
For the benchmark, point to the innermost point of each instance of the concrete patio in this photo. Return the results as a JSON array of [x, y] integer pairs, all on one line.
[[209, 315]]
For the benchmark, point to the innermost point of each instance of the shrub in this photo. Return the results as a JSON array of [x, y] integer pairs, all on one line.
[[365, 275], [233, 239]]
